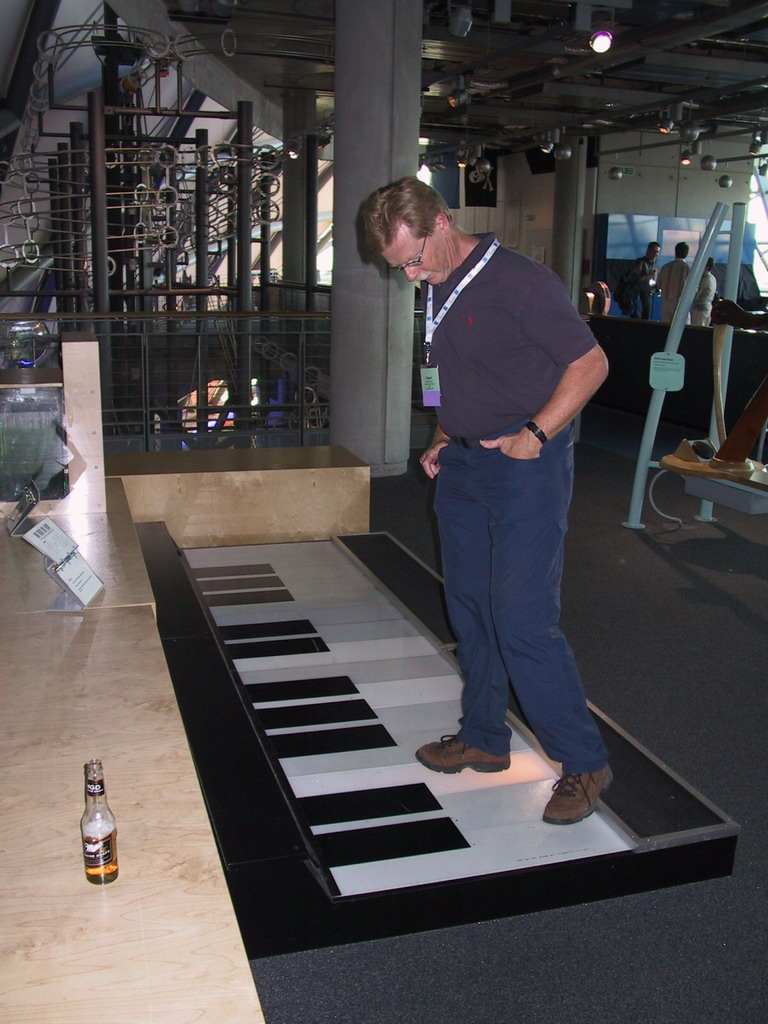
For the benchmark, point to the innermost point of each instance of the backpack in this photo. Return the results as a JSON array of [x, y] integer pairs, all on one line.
[[625, 294]]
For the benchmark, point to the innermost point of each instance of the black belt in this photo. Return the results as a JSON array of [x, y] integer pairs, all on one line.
[[467, 442]]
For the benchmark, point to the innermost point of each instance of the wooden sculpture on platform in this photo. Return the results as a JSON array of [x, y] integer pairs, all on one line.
[[730, 461]]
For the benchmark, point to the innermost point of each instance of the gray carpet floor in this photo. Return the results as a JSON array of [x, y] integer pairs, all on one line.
[[670, 627]]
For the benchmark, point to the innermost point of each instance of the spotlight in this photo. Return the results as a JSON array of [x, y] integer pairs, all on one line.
[[685, 158], [293, 151], [708, 163], [756, 144], [725, 181], [460, 19], [601, 41], [762, 169], [670, 118], [615, 173], [459, 97]]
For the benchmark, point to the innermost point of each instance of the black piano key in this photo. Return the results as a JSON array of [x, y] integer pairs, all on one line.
[[302, 715], [245, 583], [363, 804], [331, 741], [211, 571], [277, 648], [247, 597], [258, 630], [300, 689], [387, 842]]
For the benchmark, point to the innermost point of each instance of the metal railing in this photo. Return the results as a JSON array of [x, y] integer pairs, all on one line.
[[213, 380]]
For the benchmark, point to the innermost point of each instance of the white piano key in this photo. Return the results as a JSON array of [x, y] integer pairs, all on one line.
[[359, 672], [395, 649]]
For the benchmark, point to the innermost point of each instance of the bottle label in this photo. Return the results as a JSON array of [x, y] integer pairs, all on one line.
[[98, 852], [94, 787]]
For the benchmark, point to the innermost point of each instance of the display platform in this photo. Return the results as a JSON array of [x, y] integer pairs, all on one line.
[[307, 678]]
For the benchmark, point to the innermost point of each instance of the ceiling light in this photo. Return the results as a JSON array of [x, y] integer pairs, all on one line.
[[459, 97], [685, 158], [756, 144], [670, 118], [601, 41], [616, 173], [725, 181], [562, 151], [708, 163], [689, 131]]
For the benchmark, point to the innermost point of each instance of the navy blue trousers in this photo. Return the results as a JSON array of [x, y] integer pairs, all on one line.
[[502, 526]]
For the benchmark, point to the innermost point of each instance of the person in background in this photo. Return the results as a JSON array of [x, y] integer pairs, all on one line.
[[508, 365], [671, 281], [701, 310], [642, 273]]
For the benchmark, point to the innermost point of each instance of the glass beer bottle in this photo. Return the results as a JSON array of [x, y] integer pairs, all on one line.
[[98, 828]]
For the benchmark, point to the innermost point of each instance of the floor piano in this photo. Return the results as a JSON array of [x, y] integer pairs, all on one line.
[[307, 674]]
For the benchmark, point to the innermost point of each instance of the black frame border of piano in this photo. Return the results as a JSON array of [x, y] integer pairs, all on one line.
[[281, 891]]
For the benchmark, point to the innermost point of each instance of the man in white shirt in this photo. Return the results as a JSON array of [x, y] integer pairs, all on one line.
[[702, 300], [671, 281]]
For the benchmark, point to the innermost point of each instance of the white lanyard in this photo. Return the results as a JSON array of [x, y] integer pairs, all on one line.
[[433, 322]]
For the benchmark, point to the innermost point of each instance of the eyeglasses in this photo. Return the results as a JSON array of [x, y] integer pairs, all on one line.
[[416, 261]]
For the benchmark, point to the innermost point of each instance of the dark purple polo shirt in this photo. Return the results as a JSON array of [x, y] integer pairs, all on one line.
[[504, 344]]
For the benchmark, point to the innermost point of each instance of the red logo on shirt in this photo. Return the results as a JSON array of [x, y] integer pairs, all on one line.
[[470, 321]]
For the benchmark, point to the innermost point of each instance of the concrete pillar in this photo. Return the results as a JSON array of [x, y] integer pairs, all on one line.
[[376, 127], [568, 217]]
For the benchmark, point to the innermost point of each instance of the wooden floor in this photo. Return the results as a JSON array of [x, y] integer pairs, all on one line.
[[161, 943]]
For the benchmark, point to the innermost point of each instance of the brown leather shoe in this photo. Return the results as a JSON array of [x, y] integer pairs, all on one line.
[[450, 755], [574, 797]]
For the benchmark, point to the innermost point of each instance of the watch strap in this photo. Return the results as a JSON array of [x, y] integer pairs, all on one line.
[[536, 430]]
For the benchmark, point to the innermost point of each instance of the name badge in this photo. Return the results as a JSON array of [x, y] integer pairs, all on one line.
[[430, 386]]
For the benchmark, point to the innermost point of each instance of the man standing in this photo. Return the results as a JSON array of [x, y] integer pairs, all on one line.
[[704, 297], [641, 277], [671, 281], [508, 364]]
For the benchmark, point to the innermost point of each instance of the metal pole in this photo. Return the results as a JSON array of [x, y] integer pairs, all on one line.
[[310, 223], [201, 275], [653, 415], [242, 388], [77, 207], [99, 263], [265, 257], [730, 291], [65, 227], [98, 191]]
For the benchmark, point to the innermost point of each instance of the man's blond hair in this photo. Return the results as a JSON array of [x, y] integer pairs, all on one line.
[[406, 201]]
